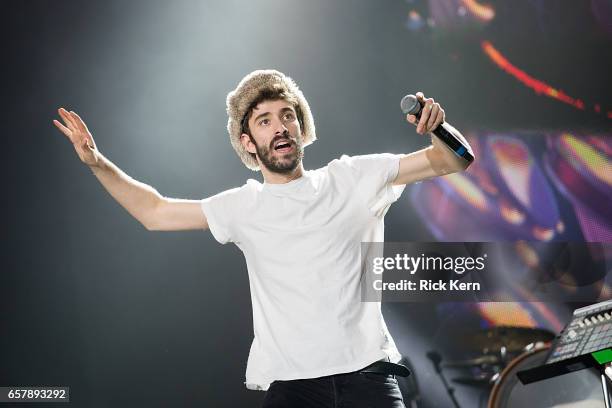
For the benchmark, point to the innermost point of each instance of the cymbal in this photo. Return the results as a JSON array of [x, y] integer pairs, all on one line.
[[512, 338]]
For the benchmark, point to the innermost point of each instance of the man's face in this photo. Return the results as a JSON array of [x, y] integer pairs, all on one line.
[[276, 136]]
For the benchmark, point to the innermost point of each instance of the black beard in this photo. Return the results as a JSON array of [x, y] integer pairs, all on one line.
[[285, 164]]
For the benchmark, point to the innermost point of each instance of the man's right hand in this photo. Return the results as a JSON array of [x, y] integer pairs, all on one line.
[[76, 131]]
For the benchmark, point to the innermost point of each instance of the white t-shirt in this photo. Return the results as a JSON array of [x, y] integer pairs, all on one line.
[[302, 245]]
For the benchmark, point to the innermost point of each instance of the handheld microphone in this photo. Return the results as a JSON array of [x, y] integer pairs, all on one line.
[[435, 358], [411, 105]]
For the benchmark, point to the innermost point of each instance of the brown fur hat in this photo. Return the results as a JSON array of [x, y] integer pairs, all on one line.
[[249, 88]]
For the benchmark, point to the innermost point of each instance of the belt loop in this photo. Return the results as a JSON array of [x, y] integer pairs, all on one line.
[[389, 360]]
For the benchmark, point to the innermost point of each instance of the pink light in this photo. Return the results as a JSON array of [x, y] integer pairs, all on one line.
[[538, 86]]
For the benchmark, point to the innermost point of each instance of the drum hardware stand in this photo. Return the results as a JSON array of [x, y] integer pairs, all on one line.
[[436, 359], [606, 379]]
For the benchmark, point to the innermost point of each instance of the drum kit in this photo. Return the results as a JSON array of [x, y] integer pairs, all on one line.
[[500, 353]]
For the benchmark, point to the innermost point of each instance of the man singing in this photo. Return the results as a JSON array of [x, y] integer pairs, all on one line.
[[316, 344]]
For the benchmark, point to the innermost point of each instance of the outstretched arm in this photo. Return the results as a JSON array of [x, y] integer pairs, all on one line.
[[142, 201], [435, 160]]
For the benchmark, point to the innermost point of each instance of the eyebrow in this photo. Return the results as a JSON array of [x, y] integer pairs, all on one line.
[[267, 113]]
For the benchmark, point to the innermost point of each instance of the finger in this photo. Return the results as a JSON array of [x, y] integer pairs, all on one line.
[[420, 96], [439, 119], [67, 119], [79, 122], [425, 114], [81, 126], [63, 129], [74, 121], [84, 129], [433, 116], [411, 119], [66, 116]]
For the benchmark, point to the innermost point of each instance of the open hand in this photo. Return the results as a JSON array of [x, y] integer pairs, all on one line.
[[76, 131]]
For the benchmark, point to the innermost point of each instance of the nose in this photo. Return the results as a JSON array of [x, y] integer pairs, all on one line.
[[280, 128]]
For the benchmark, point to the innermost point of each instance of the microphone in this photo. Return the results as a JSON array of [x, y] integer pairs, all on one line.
[[411, 105], [435, 358]]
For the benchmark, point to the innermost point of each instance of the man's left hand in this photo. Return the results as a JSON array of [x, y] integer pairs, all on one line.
[[432, 115]]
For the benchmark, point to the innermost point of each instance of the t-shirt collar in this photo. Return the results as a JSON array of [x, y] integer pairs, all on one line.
[[289, 186]]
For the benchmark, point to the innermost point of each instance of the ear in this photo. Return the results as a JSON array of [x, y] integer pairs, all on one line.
[[247, 143]]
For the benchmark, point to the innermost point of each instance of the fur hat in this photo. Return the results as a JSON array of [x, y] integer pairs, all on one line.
[[249, 88]]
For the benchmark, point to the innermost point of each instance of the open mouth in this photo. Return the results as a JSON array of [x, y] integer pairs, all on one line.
[[283, 147]]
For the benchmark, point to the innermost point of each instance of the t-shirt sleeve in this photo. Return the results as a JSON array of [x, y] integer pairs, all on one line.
[[373, 178], [219, 211]]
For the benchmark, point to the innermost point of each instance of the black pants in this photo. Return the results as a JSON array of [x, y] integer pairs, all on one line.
[[350, 390]]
